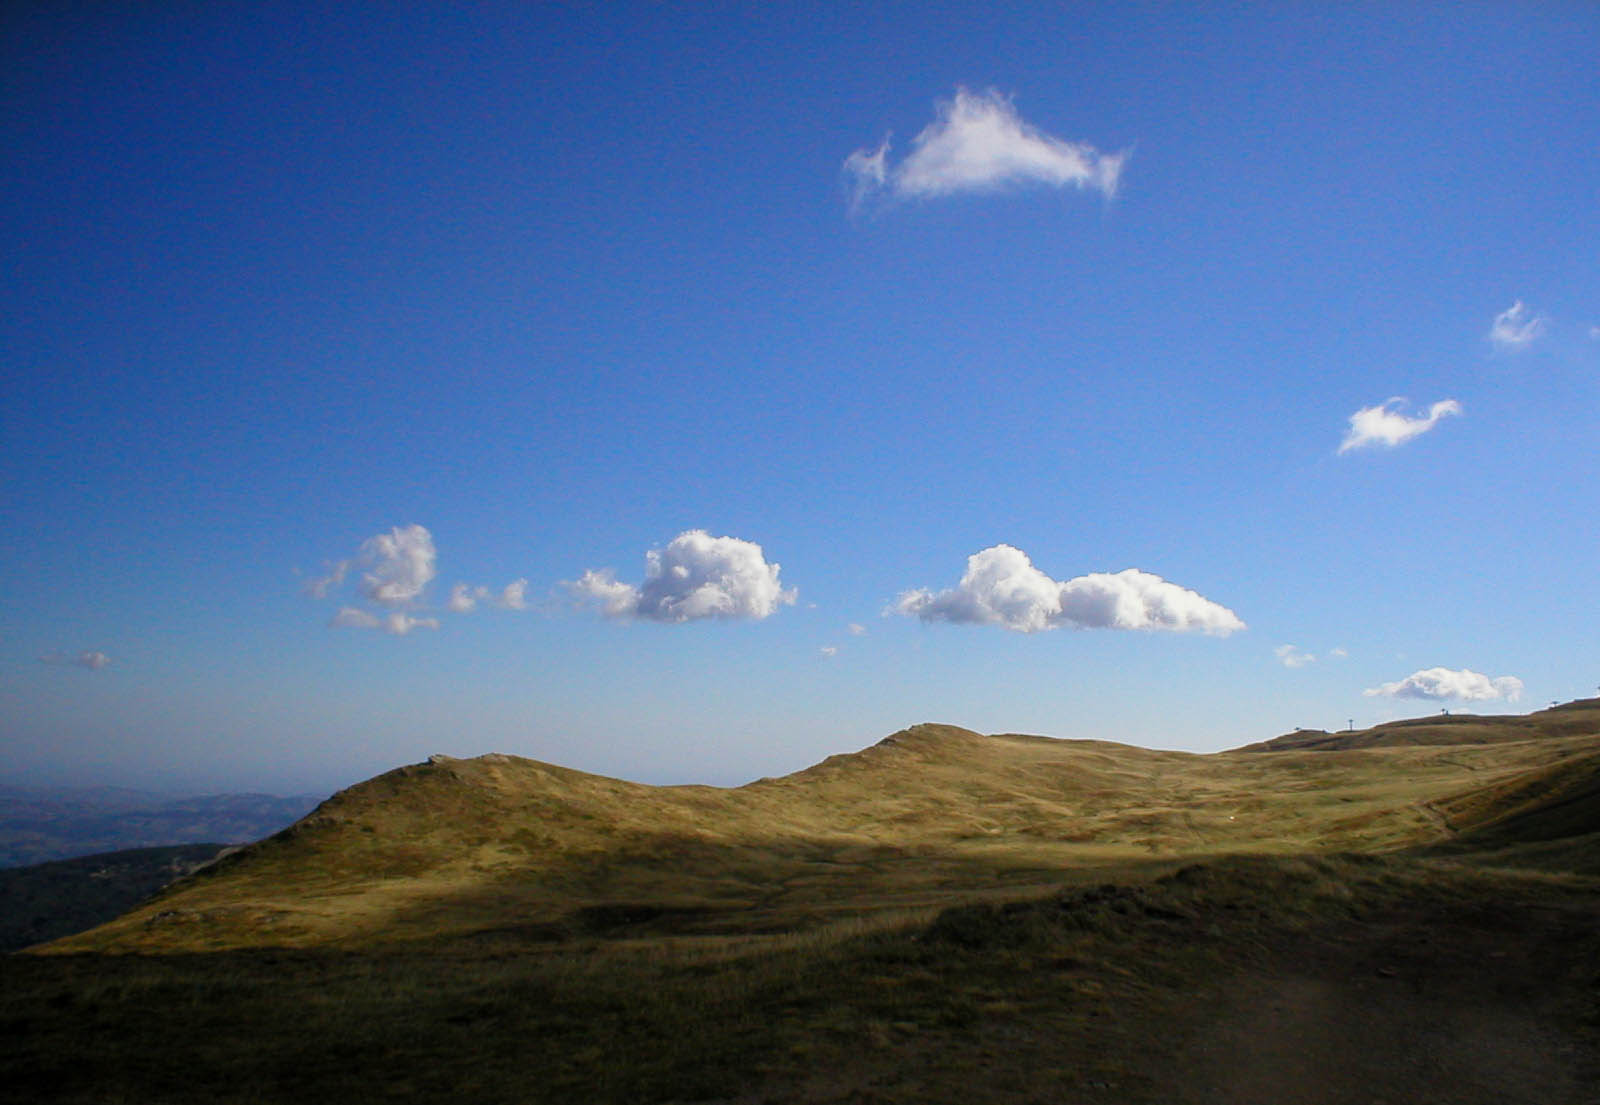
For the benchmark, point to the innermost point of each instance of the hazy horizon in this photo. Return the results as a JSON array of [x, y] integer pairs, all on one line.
[[686, 396]]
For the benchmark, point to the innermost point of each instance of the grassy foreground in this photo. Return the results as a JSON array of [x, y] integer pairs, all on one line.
[[1092, 993]]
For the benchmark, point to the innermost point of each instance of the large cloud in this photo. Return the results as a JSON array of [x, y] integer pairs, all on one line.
[[1442, 683], [696, 576], [1516, 327], [1382, 425], [978, 143], [1002, 587]]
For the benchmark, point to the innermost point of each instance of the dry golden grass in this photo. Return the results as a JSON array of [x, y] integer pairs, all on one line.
[[505, 847]]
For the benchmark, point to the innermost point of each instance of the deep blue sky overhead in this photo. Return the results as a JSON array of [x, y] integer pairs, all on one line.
[[325, 328]]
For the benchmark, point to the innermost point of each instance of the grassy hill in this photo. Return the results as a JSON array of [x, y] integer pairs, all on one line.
[[501, 844], [942, 918]]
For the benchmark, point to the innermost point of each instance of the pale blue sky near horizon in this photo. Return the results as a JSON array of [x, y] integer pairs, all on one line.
[[561, 284]]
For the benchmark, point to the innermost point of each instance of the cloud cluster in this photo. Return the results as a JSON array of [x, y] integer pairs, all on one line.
[[1293, 657], [465, 598], [1383, 425], [696, 576], [978, 143], [88, 660], [1435, 684], [1517, 327], [1002, 587], [392, 571]]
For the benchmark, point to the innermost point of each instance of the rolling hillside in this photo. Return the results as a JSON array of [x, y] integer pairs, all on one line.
[[1570, 719], [502, 846]]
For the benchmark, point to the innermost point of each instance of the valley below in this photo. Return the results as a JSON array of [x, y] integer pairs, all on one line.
[[1406, 913]]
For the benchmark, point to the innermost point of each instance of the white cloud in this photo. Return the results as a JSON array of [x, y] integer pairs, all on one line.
[[394, 566], [1443, 683], [857, 629], [465, 598], [978, 143], [1382, 425], [397, 565], [395, 569], [320, 587], [1002, 587], [830, 651], [514, 595], [396, 623], [1339, 653], [1516, 327], [696, 576], [92, 660], [1292, 657]]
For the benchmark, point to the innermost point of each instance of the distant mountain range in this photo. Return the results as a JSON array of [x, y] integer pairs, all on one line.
[[39, 824]]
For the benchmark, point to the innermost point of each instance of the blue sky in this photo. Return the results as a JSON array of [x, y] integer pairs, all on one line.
[[322, 326]]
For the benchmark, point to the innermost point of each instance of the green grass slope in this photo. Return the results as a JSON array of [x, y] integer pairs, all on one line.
[[502, 847]]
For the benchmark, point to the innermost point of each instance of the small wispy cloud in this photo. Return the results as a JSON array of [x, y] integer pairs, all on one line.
[[1293, 657], [90, 660], [396, 623], [695, 577], [856, 629], [830, 651], [978, 143], [1435, 684], [1517, 327], [1384, 425], [1002, 587], [465, 598]]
